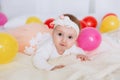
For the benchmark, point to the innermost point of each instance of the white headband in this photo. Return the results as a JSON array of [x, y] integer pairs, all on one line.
[[65, 21]]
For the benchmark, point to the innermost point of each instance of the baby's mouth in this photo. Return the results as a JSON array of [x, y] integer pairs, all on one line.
[[61, 44]]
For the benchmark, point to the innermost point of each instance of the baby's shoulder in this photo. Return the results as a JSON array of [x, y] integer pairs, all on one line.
[[46, 41], [75, 49]]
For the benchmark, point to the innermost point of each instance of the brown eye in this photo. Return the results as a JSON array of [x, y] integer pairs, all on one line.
[[60, 34], [70, 37]]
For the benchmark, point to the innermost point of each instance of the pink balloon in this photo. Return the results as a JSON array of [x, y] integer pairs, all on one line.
[[3, 19], [89, 39]]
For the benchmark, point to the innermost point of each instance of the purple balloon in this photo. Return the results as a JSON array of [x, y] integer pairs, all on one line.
[[89, 39]]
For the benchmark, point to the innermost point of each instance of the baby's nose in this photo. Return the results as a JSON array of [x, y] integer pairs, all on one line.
[[64, 39]]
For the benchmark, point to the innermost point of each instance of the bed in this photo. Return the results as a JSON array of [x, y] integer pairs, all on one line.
[[105, 65]]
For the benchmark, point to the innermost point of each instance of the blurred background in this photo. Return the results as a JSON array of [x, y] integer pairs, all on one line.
[[51, 8]]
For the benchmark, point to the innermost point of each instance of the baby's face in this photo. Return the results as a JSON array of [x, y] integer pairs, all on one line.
[[64, 37]]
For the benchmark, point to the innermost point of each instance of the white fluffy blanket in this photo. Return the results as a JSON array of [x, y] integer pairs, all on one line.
[[104, 65]]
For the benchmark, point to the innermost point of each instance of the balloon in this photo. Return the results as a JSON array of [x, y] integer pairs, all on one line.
[[119, 23], [82, 24], [3, 19], [48, 23], [109, 23], [89, 39], [109, 14], [90, 21], [8, 48], [33, 19]]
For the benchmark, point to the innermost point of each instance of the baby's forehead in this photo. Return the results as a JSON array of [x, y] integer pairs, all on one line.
[[61, 27], [67, 30]]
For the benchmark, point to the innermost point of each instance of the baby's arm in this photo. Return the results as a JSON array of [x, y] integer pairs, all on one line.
[[40, 62], [57, 67], [80, 54], [40, 59], [82, 57]]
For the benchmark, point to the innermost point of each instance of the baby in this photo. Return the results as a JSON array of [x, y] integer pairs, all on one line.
[[62, 42]]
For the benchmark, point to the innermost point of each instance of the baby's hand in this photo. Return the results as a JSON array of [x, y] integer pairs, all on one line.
[[57, 67], [82, 57]]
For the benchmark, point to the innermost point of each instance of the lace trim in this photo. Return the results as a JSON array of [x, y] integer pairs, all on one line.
[[36, 42]]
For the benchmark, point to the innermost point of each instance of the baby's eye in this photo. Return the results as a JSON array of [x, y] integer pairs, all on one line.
[[60, 34], [70, 37]]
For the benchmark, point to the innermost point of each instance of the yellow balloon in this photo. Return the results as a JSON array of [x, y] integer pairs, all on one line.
[[110, 23], [33, 19], [8, 48], [119, 22]]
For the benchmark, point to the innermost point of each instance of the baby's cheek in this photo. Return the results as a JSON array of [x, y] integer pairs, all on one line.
[[70, 44]]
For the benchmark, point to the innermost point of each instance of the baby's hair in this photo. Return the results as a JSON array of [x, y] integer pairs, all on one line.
[[73, 18]]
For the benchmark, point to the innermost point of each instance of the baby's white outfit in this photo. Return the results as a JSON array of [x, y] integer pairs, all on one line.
[[47, 50]]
